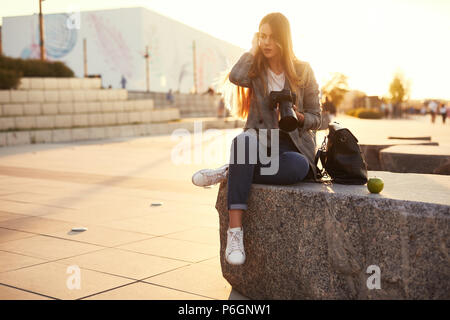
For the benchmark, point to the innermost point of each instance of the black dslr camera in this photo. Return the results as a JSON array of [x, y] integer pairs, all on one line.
[[285, 98]]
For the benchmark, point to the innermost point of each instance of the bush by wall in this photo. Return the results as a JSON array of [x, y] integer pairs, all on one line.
[[9, 79], [35, 67], [369, 114], [365, 113], [350, 112]]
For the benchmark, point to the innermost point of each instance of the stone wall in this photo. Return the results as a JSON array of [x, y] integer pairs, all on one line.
[[316, 241]]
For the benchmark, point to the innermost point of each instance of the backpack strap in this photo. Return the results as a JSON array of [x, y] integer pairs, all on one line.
[[321, 173]]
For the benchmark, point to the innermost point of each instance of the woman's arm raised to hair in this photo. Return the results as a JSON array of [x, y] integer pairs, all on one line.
[[311, 103], [239, 72]]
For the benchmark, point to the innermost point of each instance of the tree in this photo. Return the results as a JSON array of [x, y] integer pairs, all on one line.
[[399, 90], [336, 88]]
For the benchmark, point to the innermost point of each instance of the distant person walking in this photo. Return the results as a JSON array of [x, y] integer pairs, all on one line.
[[221, 108], [443, 112], [327, 108], [210, 91], [123, 82], [169, 97], [332, 108], [448, 111], [433, 109], [383, 109], [388, 110]]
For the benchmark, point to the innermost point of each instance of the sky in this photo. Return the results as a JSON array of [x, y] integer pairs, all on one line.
[[368, 41]]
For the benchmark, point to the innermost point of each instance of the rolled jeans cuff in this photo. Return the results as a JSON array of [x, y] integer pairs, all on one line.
[[237, 206]]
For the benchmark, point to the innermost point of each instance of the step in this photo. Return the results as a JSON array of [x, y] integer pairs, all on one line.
[[416, 159], [53, 108], [427, 138], [193, 114], [50, 83], [87, 119], [62, 95], [104, 132], [372, 151]]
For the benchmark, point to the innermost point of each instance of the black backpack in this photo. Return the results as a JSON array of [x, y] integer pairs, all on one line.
[[341, 157]]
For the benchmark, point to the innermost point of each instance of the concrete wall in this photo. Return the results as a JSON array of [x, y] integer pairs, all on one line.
[[190, 105]]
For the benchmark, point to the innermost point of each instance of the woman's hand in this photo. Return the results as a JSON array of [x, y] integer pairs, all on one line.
[[255, 45], [300, 116]]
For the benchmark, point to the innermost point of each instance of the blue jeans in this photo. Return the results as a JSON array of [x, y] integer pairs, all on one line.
[[293, 167]]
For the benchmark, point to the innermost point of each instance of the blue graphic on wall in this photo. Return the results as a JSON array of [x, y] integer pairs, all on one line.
[[59, 39]]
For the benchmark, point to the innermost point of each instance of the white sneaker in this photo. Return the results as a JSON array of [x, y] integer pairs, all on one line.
[[207, 177], [235, 253]]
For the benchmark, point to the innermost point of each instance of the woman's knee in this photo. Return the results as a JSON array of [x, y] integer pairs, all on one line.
[[297, 166]]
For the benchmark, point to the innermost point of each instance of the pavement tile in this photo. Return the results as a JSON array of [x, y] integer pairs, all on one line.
[[51, 279], [145, 291], [199, 279], [10, 216], [5, 192], [30, 209], [190, 219], [132, 264], [173, 249], [82, 176], [199, 196], [47, 248], [12, 261], [148, 225], [99, 214], [97, 235], [8, 293], [212, 262], [37, 225], [9, 235], [38, 198], [202, 235]]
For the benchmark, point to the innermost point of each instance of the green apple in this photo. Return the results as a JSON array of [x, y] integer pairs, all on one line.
[[375, 185]]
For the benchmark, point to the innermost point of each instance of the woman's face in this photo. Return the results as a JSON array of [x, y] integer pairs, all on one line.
[[267, 43]]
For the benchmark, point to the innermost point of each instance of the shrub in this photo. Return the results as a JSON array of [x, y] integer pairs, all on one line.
[[12, 69], [364, 113], [35, 67], [350, 112], [9, 79]]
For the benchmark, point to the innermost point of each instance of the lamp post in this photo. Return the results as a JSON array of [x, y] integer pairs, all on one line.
[[85, 58], [41, 31], [147, 68], [194, 59]]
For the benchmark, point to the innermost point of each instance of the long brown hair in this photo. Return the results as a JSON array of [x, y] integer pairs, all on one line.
[[237, 98]]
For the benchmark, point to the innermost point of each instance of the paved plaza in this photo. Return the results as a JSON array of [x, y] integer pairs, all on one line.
[[151, 234]]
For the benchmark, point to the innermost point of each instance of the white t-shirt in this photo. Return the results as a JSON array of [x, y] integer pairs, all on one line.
[[433, 106], [275, 82]]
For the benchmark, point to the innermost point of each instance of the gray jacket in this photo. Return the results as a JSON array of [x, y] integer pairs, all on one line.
[[262, 116]]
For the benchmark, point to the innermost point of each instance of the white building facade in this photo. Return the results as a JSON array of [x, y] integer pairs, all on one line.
[[116, 44]]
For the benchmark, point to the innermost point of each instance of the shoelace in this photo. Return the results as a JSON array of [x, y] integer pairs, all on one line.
[[236, 241], [216, 175]]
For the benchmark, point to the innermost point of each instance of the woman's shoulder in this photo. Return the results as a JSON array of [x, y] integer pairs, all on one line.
[[301, 66]]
